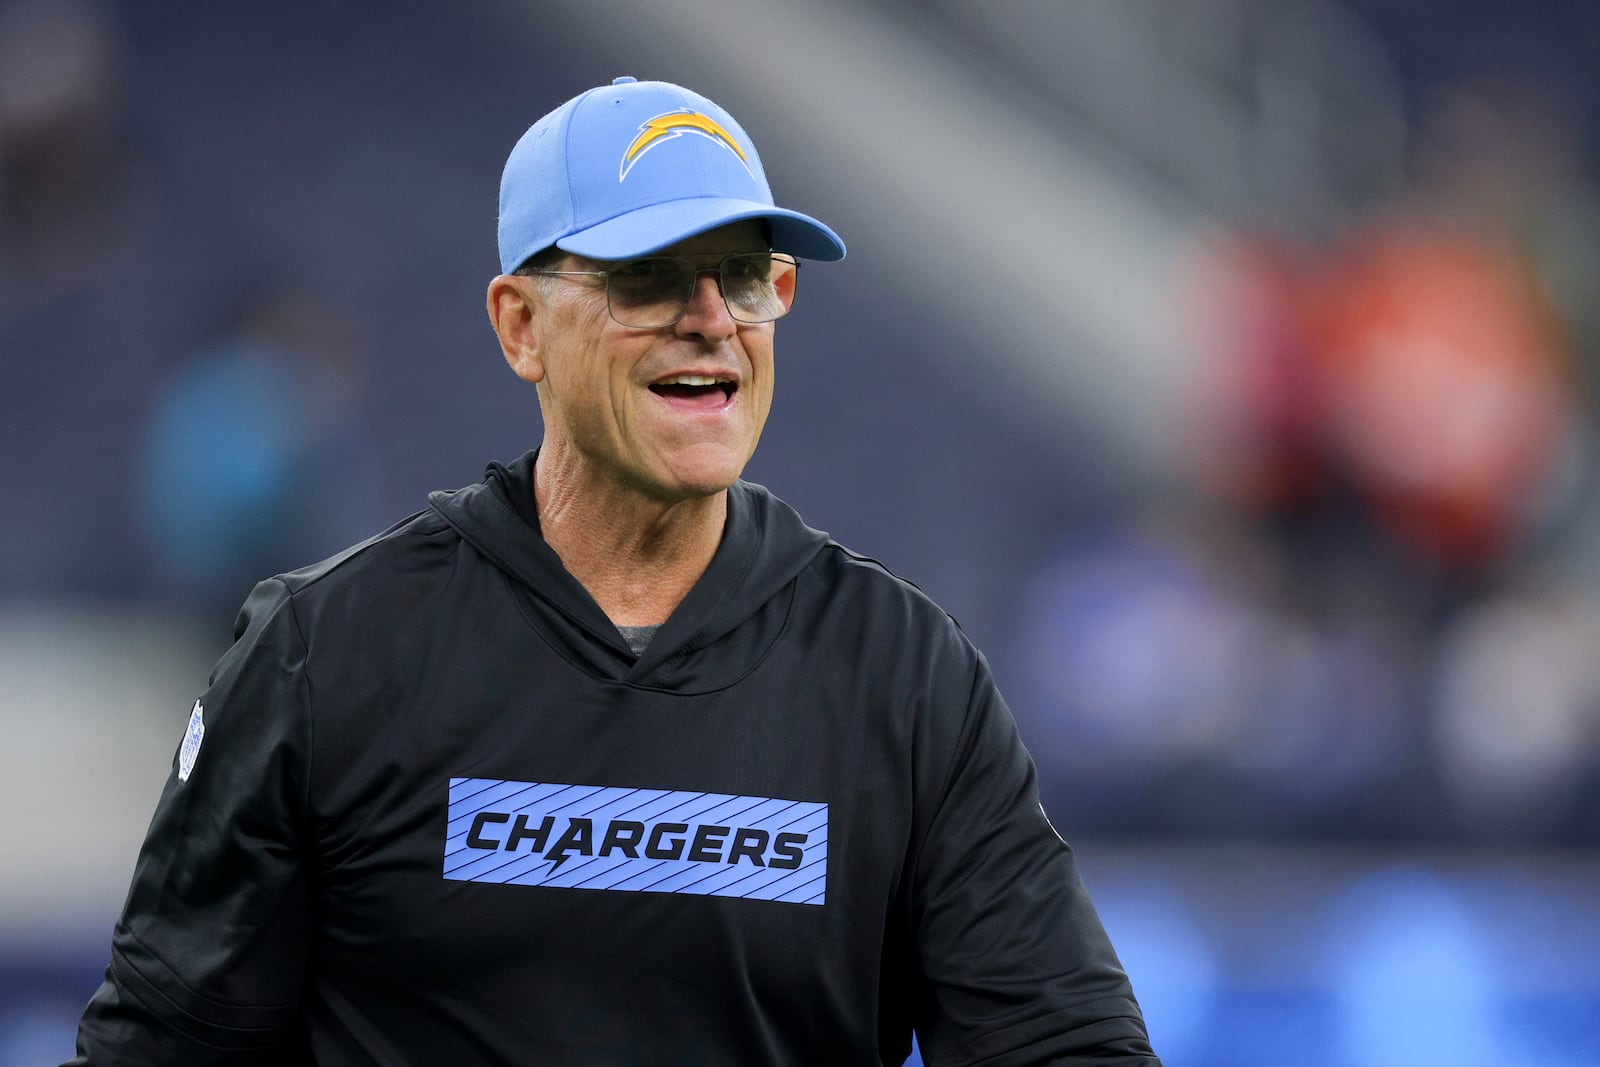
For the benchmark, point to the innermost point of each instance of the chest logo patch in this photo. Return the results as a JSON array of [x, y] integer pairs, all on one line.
[[192, 737], [636, 840]]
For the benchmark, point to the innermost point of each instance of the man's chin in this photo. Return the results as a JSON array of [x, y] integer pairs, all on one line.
[[701, 475], [696, 488]]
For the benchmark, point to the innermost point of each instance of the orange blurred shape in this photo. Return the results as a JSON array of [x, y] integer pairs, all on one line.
[[1446, 386]]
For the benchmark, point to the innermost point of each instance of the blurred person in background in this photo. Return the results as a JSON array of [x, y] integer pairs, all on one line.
[[610, 757], [257, 455], [65, 191], [1359, 612], [81, 223]]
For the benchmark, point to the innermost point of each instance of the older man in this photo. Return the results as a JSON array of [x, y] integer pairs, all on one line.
[[610, 758]]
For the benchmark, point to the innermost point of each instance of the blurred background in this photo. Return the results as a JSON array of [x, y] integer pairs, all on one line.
[[1228, 368]]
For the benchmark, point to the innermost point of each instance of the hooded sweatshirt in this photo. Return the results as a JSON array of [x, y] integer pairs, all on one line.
[[433, 810]]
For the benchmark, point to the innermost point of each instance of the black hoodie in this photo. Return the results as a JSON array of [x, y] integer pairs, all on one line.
[[432, 810]]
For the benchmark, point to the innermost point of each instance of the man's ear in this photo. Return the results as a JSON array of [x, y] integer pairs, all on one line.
[[514, 311]]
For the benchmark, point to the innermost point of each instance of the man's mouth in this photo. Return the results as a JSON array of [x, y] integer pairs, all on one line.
[[696, 388]]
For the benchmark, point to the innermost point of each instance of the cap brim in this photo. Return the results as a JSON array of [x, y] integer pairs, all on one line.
[[650, 229]]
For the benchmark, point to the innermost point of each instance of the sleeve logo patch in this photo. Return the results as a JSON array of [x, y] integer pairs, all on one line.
[[636, 840], [191, 741]]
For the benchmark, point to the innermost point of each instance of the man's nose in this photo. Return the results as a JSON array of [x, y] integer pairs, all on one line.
[[707, 313]]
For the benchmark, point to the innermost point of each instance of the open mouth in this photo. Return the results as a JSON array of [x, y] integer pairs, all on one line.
[[698, 389]]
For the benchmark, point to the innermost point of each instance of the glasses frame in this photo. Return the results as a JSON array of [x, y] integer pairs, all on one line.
[[689, 293]]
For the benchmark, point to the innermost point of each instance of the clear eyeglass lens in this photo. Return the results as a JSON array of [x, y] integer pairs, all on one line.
[[655, 291]]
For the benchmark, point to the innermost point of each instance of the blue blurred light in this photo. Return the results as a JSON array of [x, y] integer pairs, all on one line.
[[1170, 962], [1413, 976]]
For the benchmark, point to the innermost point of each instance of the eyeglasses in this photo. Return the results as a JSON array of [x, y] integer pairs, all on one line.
[[649, 293]]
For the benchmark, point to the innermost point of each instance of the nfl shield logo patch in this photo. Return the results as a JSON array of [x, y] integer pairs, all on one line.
[[191, 742]]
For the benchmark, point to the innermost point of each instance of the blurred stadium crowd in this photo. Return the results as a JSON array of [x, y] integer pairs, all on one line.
[[1307, 655]]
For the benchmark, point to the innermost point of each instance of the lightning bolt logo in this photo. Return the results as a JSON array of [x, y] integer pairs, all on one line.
[[577, 837], [675, 124]]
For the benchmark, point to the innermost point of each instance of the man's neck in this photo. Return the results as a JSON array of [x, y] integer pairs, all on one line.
[[638, 558]]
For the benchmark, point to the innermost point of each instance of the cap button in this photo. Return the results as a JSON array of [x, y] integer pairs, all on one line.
[[626, 79]]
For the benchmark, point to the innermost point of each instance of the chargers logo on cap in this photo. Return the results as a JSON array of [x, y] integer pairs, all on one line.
[[675, 124]]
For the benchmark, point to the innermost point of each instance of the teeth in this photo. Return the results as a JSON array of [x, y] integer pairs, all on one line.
[[690, 379]]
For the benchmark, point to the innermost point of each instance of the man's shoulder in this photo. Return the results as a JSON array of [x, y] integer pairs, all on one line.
[[401, 549], [873, 585], [825, 558], [845, 564]]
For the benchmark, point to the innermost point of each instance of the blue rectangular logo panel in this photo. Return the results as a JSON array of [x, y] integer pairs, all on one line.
[[636, 840]]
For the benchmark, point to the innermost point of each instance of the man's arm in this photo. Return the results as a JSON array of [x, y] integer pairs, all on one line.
[[208, 958], [1017, 966]]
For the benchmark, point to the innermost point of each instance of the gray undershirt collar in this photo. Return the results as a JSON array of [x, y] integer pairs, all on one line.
[[638, 637]]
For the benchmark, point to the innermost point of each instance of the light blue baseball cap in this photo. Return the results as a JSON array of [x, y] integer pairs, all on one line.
[[629, 168]]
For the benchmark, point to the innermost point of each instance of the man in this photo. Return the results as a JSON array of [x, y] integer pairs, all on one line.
[[610, 758]]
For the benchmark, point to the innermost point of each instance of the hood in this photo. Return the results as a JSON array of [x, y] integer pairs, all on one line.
[[718, 634]]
